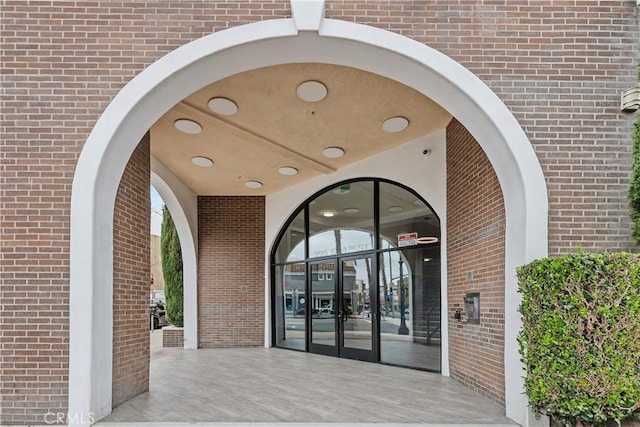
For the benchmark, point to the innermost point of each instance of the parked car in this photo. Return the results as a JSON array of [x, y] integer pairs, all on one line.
[[157, 312], [157, 295]]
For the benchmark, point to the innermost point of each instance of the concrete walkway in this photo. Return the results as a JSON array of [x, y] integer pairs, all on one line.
[[258, 387]]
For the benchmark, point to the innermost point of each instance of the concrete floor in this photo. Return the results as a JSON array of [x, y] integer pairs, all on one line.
[[265, 387]]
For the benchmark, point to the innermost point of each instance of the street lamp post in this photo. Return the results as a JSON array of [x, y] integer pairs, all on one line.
[[402, 330], [294, 302]]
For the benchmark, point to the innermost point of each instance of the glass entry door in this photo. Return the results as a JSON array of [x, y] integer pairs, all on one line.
[[344, 311]]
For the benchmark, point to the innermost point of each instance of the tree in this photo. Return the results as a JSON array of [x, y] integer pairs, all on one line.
[[634, 188], [172, 269]]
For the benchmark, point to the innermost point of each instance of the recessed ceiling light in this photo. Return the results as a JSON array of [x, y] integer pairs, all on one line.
[[187, 126], [426, 240], [203, 162], [395, 209], [427, 259], [395, 124], [333, 152], [351, 210], [223, 106], [253, 184], [311, 91], [288, 171], [327, 214]]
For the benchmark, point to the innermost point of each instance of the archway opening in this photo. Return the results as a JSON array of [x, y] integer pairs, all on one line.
[[148, 96]]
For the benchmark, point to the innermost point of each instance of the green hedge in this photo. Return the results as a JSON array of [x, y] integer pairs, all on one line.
[[172, 270], [580, 340]]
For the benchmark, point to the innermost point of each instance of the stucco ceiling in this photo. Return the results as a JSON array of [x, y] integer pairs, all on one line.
[[274, 128]]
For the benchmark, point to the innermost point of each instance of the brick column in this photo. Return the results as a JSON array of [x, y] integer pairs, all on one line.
[[131, 280], [475, 263], [231, 280]]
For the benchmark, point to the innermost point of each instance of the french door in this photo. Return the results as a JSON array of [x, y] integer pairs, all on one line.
[[343, 307]]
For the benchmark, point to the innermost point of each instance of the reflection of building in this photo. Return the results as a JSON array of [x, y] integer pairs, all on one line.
[[323, 296]]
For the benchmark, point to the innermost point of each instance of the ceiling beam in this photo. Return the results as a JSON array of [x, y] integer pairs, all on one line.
[[258, 140]]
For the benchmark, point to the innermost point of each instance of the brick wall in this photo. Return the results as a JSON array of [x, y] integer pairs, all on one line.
[[172, 337], [558, 65], [62, 64], [475, 263], [231, 271], [131, 281]]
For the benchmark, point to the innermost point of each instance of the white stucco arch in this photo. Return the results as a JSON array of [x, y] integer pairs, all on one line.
[[183, 206], [219, 55]]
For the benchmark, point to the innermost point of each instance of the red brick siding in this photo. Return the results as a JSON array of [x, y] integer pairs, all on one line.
[[63, 62], [172, 337], [475, 246], [558, 65], [131, 281], [231, 271]]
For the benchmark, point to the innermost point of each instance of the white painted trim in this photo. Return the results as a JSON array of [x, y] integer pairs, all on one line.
[[183, 206], [201, 62], [307, 14]]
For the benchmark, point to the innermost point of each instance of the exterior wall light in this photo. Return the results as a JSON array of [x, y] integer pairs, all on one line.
[[630, 98]]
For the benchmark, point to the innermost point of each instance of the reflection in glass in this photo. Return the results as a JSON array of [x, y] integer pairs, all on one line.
[[402, 213], [344, 294], [290, 306], [291, 245], [409, 295], [341, 220], [323, 303], [356, 303]]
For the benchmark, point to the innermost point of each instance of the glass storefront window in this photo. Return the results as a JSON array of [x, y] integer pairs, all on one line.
[[409, 295], [363, 260], [290, 306], [341, 220], [403, 216], [291, 245]]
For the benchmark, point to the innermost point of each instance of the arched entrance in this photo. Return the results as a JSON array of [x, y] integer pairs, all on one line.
[[305, 38], [347, 279]]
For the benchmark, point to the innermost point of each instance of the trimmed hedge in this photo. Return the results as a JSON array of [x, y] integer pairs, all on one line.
[[172, 270], [580, 341]]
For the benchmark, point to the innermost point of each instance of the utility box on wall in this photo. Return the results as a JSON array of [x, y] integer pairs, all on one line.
[[472, 307]]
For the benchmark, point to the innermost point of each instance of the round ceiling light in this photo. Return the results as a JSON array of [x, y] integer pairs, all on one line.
[[188, 126], [311, 91], [288, 171], [395, 124], [203, 162], [333, 152], [223, 106], [253, 184], [351, 210], [426, 240], [327, 214], [395, 209]]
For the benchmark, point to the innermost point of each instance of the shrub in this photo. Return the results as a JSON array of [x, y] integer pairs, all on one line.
[[171, 269], [580, 340]]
